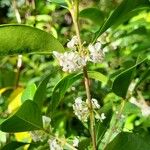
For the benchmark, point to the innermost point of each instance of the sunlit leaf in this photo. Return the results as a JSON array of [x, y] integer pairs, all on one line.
[[15, 99], [29, 92], [123, 12], [19, 39]]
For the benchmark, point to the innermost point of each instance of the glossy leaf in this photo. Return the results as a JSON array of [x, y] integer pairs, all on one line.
[[27, 118], [123, 12], [13, 145], [97, 76], [122, 81], [19, 39], [29, 92], [40, 93], [128, 141]]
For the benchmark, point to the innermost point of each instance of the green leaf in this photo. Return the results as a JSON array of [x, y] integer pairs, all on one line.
[[40, 93], [29, 92], [60, 90], [128, 141], [123, 12], [98, 76], [93, 14], [19, 39], [122, 81], [131, 109], [143, 77], [13, 145], [84, 143], [62, 86], [27, 118], [58, 1]]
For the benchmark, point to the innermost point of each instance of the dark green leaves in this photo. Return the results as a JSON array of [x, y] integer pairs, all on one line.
[[13, 145], [27, 118], [40, 93], [128, 141], [123, 12], [122, 81], [93, 14], [19, 39]]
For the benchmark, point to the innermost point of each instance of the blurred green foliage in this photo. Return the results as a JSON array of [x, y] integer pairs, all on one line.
[[124, 34]]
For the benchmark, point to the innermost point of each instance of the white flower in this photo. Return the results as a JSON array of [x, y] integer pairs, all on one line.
[[46, 121], [103, 117], [54, 144], [95, 103], [96, 53], [73, 43], [75, 142], [81, 109], [100, 117], [37, 135], [70, 61], [19, 63]]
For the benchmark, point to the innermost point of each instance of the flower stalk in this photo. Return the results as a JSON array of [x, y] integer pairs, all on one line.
[[74, 10]]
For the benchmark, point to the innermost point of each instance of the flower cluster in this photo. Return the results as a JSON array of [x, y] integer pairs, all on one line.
[[100, 117], [38, 136], [54, 144], [72, 61], [81, 109], [96, 53]]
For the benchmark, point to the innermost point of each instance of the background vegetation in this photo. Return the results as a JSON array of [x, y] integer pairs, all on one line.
[[123, 78]]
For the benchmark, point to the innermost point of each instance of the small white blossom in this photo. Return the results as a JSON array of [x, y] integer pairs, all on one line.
[[37, 135], [75, 142], [96, 52], [70, 61], [100, 117], [103, 117], [19, 63], [54, 144], [73, 43], [95, 103], [46, 121], [81, 109]]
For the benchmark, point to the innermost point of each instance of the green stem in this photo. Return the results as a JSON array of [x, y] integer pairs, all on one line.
[[18, 18], [74, 9], [92, 118]]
